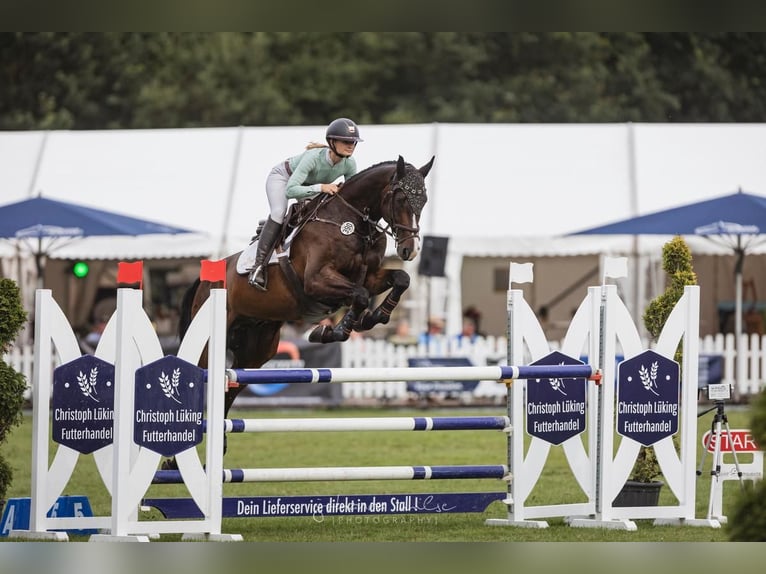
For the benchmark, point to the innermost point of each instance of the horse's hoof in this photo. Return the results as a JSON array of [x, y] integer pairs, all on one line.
[[364, 321], [317, 334]]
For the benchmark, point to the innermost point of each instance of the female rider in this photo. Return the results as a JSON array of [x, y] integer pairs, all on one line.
[[300, 177]]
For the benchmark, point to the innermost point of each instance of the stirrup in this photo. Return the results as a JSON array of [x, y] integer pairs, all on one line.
[[253, 280]]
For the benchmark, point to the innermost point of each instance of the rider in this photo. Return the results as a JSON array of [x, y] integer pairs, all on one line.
[[300, 177]]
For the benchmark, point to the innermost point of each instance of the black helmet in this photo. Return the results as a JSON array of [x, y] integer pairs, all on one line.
[[343, 129]]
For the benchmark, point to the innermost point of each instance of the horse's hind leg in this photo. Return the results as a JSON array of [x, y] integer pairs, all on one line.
[[231, 394], [395, 279], [252, 343]]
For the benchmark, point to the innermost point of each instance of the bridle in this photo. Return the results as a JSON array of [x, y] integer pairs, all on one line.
[[414, 190]]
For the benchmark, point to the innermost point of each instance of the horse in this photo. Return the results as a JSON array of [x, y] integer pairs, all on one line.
[[335, 261]]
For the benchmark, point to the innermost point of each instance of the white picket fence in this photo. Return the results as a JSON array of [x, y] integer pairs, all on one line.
[[493, 350], [379, 353], [484, 351]]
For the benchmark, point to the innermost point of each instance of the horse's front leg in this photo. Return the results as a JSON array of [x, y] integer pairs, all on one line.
[[398, 282], [342, 330]]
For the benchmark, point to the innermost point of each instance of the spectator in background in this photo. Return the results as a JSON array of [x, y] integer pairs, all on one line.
[[402, 335], [469, 331], [435, 329], [471, 312], [90, 341]]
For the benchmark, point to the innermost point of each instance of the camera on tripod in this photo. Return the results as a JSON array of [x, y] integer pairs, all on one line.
[[719, 392], [720, 432]]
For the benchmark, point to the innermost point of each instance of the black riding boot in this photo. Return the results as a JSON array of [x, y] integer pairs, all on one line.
[[258, 276]]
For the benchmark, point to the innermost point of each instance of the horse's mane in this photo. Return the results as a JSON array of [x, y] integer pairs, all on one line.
[[360, 174], [310, 203]]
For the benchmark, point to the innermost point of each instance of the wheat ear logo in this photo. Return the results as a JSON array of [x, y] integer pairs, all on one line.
[[649, 378], [169, 385], [87, 383], [558, 384]]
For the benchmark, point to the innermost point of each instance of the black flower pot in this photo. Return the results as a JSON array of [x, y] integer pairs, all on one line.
[[635, 493]]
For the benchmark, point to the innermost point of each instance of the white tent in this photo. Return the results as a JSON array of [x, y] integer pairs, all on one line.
[[506, 190]]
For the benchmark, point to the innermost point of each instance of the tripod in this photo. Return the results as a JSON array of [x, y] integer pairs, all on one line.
[[719, 419]]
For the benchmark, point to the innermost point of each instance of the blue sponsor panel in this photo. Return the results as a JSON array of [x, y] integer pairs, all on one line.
[[555, 407], [82, 404], [169, 404], [710, 370], [333, 505], [17, 512], [425, 387], [278, 361], [309, 355], [648, 397]]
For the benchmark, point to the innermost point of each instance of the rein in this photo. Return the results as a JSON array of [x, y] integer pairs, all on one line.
[[365, 217], [391, 228]]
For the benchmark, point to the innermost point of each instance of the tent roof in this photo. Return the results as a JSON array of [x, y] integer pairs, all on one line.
[[495, 189]]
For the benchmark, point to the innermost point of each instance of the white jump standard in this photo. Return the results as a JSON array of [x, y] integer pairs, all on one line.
[[551, 402]]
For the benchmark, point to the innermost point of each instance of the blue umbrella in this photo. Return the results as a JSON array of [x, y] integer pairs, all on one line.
[[44, 223], [733, 220], [742, 209]]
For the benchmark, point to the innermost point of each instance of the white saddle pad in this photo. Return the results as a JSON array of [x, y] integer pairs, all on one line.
[[246, 260]]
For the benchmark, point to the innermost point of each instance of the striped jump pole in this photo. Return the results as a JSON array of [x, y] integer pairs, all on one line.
[[364, 375], [502, 423], [308, 474]]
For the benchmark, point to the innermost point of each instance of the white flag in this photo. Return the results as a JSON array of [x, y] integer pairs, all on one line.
[[520, 273], [615, 267]]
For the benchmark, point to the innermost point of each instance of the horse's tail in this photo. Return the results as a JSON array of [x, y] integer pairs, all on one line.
[[185, 317]]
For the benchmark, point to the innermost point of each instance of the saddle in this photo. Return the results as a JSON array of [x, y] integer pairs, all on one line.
[[295, 217], [298, 214]]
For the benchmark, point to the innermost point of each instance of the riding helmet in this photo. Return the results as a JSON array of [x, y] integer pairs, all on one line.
[[343, 129]]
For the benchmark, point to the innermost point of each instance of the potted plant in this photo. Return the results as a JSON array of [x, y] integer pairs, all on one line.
[[642, 487], [12, 384]]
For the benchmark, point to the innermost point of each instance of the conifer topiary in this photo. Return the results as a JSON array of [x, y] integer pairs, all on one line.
[[677, 264]]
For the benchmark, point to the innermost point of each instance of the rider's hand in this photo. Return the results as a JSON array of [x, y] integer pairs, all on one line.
[[330, 188]]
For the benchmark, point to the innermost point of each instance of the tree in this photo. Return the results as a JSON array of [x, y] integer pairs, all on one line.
[[12, 384], [747, 521], [68, 80]]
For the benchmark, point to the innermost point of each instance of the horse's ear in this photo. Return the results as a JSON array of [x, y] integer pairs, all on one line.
[[426, 168], [400, 168]]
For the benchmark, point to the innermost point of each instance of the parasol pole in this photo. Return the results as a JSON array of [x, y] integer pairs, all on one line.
[[738, 265], [39, 263]]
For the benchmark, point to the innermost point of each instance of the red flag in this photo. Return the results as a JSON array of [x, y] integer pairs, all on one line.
[[130, 273], [213, 271]]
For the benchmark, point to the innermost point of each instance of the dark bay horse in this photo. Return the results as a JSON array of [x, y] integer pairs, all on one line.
[[335, 261]]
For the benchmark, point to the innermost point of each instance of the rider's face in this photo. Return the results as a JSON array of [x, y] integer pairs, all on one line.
[[345, 147]]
